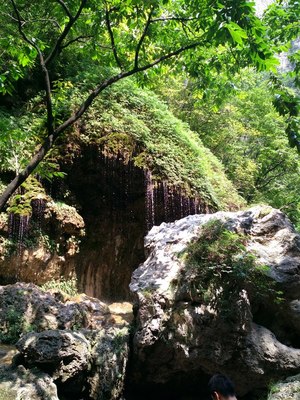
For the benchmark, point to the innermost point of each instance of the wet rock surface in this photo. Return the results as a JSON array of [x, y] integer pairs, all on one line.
[[180, 340], [40, 245]]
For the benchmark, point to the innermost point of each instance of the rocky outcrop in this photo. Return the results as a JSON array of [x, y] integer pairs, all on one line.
[[62, 354], [20, 383], [79, 345], [289, 389], [186, 327], [89, 363], [109, 356], [40, 246], [25, 308]]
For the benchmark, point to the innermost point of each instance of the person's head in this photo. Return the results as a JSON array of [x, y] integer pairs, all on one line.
[[221, 388]]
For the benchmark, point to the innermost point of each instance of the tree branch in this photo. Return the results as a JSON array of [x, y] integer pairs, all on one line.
[[77, 39], [49, 141], [57, 47], [184, 19], [50, 118], [139, 45], [112, 38], [65, 7]]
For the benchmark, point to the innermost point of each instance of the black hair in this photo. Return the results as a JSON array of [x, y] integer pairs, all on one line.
[[221, 384]]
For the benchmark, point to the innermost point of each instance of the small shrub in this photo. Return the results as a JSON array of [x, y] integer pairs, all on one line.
[[222, 267], [15, 325], [67, 286]]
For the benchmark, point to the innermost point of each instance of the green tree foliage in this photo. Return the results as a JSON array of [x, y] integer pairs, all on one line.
[[249, 136], [283, 19], [134, 36]]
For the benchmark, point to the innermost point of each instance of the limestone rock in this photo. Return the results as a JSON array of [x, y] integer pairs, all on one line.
[[68, 220], [286, 390], [178, 334], [65, 354], [25, 308], [62, 354], [109, 356], [20, 383]]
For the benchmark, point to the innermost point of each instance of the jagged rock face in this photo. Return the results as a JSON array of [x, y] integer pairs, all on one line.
[[109, 357], [79, 345], [119, 203], [25, 308], [180, 339], [112, 200], [42, 246], [62, 354]]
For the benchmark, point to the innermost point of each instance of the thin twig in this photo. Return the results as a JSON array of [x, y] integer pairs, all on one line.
[[165, 19], [65, 7], [57, 47], [77, 39], [50, 118], [142, 38], [112, 38]]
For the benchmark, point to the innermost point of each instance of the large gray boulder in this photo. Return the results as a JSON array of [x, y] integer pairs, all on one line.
[[64, 355], [180, 338]]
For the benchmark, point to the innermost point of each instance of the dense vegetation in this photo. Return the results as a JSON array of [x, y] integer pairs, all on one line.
[[58, 57]]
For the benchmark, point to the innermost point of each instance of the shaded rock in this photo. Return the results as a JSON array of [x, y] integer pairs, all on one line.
[[42, 244], [286, 390], [178, 334], [68, 220], [20, 383], [64, 354], [109, 356], [25, 308]]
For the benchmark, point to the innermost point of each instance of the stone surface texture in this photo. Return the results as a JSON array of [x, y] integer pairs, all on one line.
[[20, 383], [24, 307], [178, 338], [289, 389], [79, 342]]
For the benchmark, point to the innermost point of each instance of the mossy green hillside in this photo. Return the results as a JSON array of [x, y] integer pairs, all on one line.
[[135, 122]]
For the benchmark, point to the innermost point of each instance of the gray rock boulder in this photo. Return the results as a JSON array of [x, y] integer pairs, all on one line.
[[20, 383], [109, 356], [289, 389], [62, 354], [25, 307], [180, 338]]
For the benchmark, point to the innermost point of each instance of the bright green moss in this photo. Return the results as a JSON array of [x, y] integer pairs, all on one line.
[[21, 203], [137, 123]]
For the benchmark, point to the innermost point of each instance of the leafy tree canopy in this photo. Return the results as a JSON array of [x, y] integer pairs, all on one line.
[[52, 42]]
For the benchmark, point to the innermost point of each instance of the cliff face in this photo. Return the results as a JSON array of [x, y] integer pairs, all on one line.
[[129, 164], [119, 202]]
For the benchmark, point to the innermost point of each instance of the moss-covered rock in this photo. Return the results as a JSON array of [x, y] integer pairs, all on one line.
[[132, 123], [21, 203], [286, 390]]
